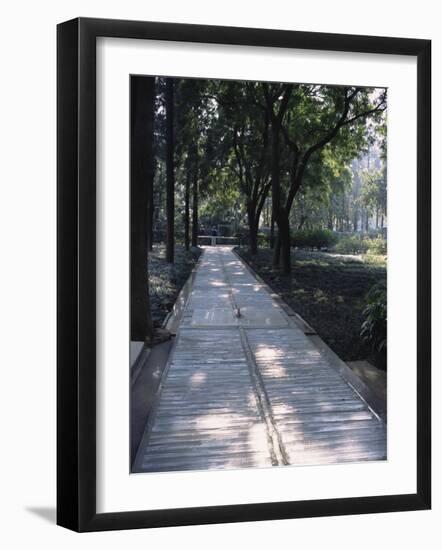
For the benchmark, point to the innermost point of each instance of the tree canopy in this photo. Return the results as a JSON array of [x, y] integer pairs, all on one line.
[[248, 152]]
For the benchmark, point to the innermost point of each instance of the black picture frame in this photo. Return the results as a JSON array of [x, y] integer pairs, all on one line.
[[76, 273]]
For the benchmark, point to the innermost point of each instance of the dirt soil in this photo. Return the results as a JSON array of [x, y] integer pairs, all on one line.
[[328, 291]]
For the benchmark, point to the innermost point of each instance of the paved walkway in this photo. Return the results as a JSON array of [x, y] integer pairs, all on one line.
[[245, 387]]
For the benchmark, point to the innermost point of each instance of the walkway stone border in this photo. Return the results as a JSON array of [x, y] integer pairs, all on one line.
[[173, 318]]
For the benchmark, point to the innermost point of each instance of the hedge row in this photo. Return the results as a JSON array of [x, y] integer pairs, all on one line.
[[314, 238], [324, 239]]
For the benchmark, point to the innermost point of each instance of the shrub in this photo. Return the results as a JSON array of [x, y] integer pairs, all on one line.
[[263, 239], [353, 244], [378, 246], [374, 326], [314, 238], [242, 234]]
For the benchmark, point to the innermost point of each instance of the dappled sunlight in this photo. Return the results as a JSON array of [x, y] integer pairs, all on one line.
[[257, 437], [248, 288], [218, 438], [320, 418], [320, 296], [317, 263], [266, 353], [215, 421], [251, 399], [212, 317], [197, 379], [217, 283], [211, 414], [319, 432]]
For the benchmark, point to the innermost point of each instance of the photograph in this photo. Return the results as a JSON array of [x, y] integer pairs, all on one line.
[[218, 254], [258, 274], [243, 273]]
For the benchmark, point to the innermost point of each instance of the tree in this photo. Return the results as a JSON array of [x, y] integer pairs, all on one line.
[[240, 152], [382, 196], [277, 98], [141, 181], [315, 117], [322, 202], [189, 130], [170, 168], [368, 197], [243, 129], [194, 156], [374, 195], [187, 208], [150, 189]]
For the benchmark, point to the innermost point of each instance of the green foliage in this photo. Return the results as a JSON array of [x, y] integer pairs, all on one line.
[[327, 182], [374, 191], [374, 326], [220, 201], [314, 108], [377, 246], [314, 238], [223, 145], [352, 244], [263, 239], [361, 244]]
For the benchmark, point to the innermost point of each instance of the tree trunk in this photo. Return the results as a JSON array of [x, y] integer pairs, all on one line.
[[355, 221], [276, 251], [141, 173], [272, 231], [195, 205], [187, 211], [253, 239], [329, 223], [170, 179], [281, 255], [253, 229], [159, 198], [150, 206], [285, 244]]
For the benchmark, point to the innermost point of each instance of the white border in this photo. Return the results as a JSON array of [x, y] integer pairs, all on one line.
[[116, 489]]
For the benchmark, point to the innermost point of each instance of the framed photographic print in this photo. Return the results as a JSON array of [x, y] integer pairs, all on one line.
[[243, 274]]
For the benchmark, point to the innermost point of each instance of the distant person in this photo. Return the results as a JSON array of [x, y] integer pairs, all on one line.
[[214, 235]]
